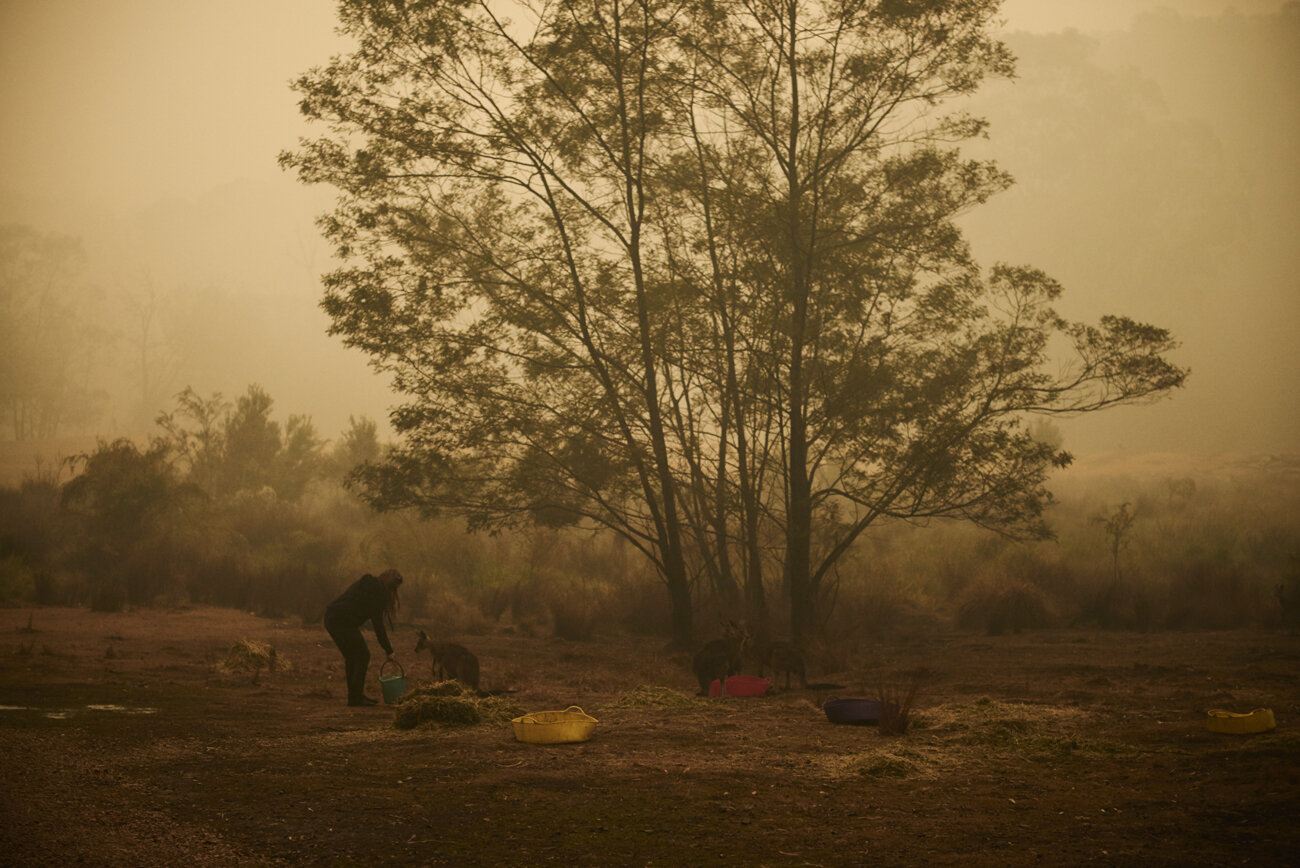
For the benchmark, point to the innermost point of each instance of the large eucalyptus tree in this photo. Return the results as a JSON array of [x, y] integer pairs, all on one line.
[[688, 270]]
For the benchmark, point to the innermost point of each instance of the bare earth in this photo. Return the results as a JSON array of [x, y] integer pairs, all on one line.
[[1055, 749]]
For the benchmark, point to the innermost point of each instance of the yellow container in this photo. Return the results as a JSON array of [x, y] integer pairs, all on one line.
[[1259, 720], [554, 727]]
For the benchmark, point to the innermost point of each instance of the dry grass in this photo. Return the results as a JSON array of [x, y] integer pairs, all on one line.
[[251, 655]]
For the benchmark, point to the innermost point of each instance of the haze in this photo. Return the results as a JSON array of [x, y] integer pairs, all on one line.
[[1154, 148]]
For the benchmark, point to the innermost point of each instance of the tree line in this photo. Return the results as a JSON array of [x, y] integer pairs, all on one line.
[[225, 506], [222, 505]]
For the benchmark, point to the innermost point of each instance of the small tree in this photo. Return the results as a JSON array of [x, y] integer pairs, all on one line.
[[1117, 526], [228, 449]]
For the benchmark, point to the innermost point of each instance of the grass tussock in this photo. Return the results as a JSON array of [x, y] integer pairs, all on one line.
[[899, 698], [448, 703]]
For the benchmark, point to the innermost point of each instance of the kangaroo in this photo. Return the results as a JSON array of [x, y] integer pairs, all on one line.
[[720, 658], [784, 657], [450, 661]]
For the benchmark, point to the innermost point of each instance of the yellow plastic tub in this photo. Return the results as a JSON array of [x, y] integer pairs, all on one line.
[[1259, 720], [554, 727]]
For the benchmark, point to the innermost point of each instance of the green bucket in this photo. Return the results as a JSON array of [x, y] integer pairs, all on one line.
[[393, 684]]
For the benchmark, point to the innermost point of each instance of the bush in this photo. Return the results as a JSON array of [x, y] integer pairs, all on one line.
[[999, 604]]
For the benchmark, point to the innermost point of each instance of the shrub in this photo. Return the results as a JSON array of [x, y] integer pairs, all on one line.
[[1000, 604]]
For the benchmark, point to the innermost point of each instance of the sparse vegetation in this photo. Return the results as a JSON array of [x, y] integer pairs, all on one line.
[[1213, 547]]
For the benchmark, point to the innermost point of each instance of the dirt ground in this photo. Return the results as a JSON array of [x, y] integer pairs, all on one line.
[[126, 743]]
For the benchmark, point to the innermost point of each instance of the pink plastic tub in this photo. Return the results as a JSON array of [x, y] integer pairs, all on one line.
[[742, 685]]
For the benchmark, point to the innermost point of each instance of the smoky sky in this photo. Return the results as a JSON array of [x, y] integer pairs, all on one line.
[[1154, 147]]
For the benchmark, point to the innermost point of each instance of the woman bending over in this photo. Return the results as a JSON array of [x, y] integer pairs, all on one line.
[[367, 599]]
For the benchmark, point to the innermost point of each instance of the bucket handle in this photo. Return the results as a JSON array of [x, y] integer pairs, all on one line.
[[400, 669], [528, 718]]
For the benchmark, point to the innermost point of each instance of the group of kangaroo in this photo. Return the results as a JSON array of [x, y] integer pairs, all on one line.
[[723, 657], [715, 661]]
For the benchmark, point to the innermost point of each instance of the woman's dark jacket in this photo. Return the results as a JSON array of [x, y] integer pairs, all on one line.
[[363, 601]]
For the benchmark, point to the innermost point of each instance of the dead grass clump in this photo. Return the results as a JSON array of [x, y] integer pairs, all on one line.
[[657, 697], [448, 703], [899, 698], [250, 655]]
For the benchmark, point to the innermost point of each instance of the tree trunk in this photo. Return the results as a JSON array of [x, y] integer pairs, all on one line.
[[799, 518]]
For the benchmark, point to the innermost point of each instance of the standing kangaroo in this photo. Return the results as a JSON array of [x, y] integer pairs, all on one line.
[[720, 658], [784, 657], [450, 661]]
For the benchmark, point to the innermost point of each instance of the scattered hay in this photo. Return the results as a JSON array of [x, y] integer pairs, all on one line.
[[874, 763], [887, 766], [1019, 728], [448, 703], [657, 697], [250, 655], [450, 687]]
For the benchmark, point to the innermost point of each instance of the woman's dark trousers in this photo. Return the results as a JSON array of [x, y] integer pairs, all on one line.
[[356, 657]]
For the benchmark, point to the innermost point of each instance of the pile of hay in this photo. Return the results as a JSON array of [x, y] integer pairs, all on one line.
[[250, 655], [448, 703], [656, 697]]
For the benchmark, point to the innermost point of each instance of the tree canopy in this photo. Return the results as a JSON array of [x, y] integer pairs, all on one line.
[[688, 270]]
